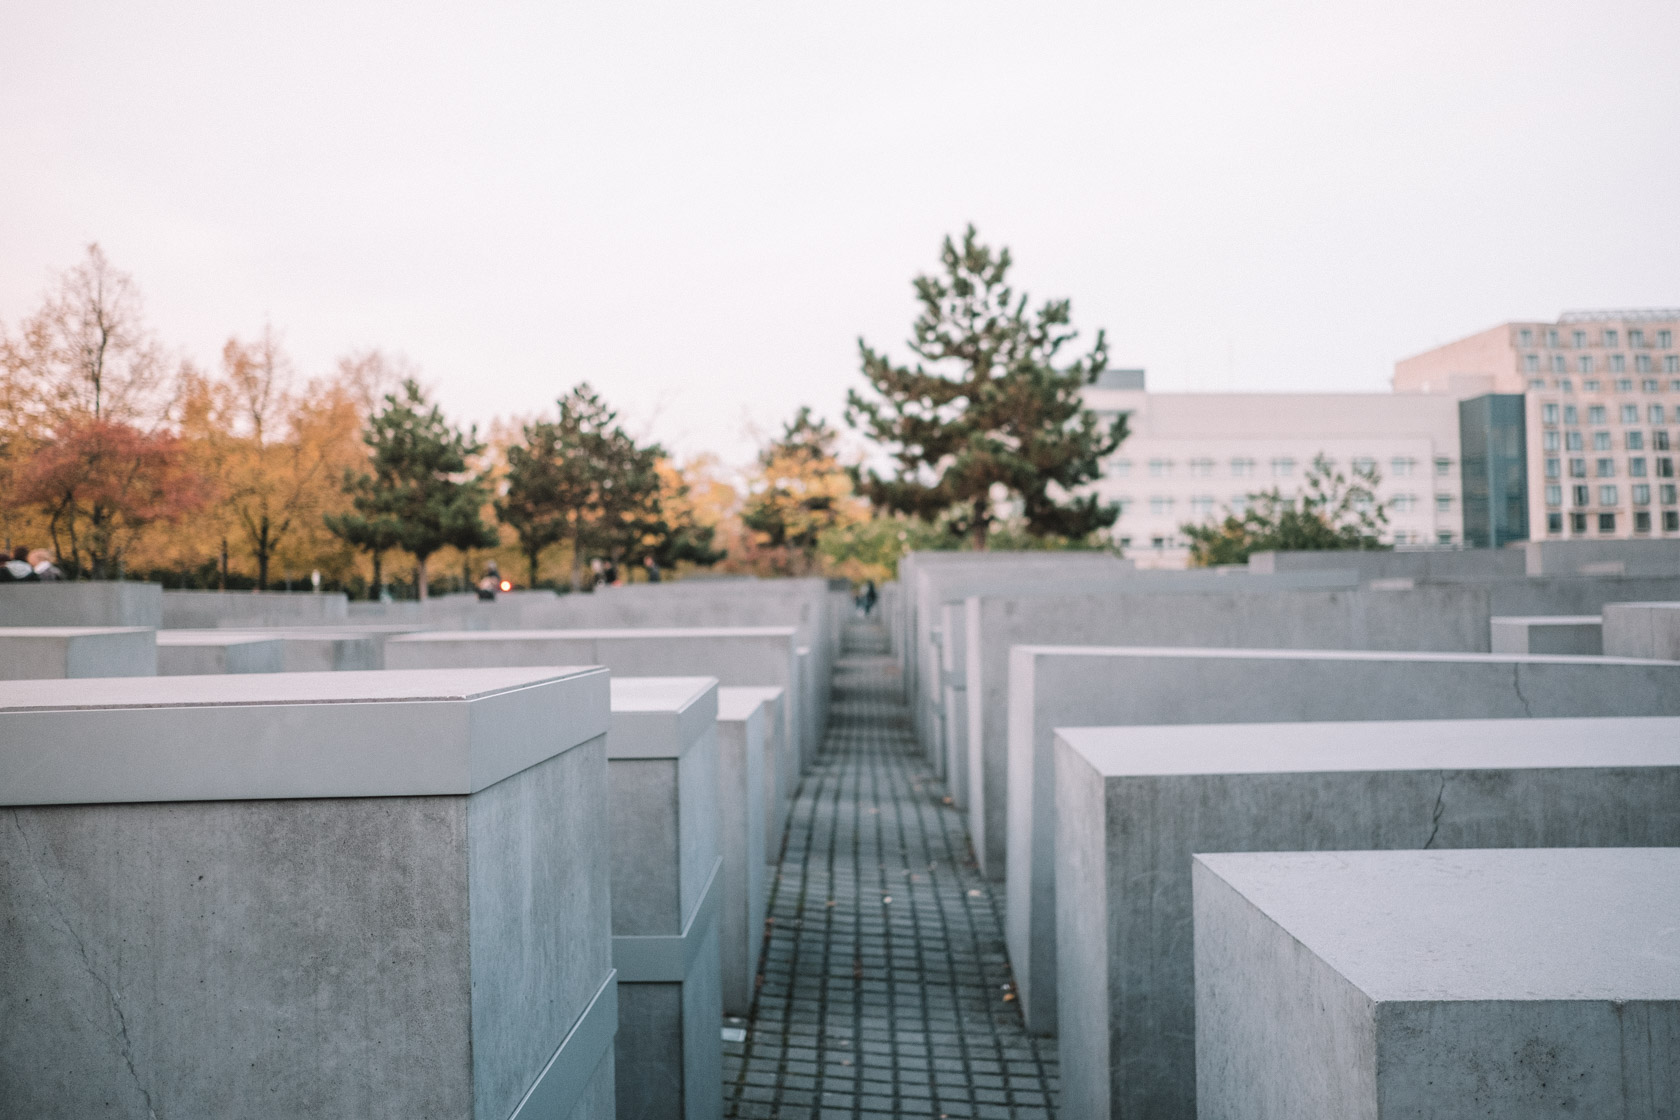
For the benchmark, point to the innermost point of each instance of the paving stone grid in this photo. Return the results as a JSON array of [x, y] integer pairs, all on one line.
[[885, 984]]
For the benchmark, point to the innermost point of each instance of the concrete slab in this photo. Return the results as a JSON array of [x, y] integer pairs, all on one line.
[[192, 610], [667, 894], [1427, 618], [1642, 630], [742, 719], [1599, 558], [753, 656], [197, 653], [1568, 635], [1529, 985], [778, 786], [81, 603], [1134, 804], [1062, 686], [45, 652], [377, 894]]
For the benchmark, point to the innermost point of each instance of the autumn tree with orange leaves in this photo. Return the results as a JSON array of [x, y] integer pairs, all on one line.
[[87, 400]]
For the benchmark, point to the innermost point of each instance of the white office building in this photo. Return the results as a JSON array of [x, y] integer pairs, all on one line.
[[1193, 457]]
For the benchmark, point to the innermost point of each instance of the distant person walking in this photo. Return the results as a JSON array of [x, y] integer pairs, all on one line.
[[18, 569], [868, 598], [490, 584], [652, 567]]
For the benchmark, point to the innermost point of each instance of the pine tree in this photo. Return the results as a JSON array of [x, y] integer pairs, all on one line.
[[536, 503], [419, 497], [987, 411]]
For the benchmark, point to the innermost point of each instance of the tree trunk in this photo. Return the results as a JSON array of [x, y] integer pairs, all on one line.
[[420, 577], [535, 559], [222, 581], [378, 572], [577, 556], [264, 548], [982, 521]]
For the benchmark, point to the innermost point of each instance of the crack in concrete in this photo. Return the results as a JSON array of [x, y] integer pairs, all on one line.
[[111, 995], [1440, 808], [1516, 686]]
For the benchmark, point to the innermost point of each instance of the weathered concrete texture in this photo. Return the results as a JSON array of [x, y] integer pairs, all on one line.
[[1134, 804], [1429, 618], [81, 603], [742, 718], [197, 653], [777, 781], [332, 955], [1473, 565], [46, 652], [192, 610], [1567, 635], [663, 772], [1642, 630], [1576, 595], [761, 656], [953, 679], [1086, 686], [1532, 985], [1598, 558], [287, 735]]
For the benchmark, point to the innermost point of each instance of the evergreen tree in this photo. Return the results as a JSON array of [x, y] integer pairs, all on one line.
[[987, 411], [419, 497], [537, 501]]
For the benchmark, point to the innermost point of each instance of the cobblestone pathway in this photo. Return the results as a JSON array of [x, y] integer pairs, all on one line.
[[885, 983]]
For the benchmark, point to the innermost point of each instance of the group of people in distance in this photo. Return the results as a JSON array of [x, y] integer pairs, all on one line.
[[29, 566]]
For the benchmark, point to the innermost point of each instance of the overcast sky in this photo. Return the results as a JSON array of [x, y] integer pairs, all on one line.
[[700, 207]]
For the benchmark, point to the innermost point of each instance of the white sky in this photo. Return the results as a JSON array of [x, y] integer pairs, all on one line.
[[700, 207]]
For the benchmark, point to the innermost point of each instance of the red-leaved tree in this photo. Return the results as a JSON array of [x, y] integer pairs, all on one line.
[[100, 482]]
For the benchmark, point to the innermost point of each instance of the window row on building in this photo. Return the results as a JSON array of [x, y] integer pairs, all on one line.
[[1610, 338], [1280, 467], [1581, 494], [1162, 505], [1606, 522], [1550, 412], [1615, 363], [1661, 466], [1632, 440]]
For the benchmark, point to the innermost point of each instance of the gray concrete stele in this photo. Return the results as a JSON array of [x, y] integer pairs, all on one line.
[[1513, 985], [1642, 630], [1088, 686], [667, 894], [1133, 804], [1569, 635], [761, 656], [46, 652], [307, 894], [743, 716], [197, 653]]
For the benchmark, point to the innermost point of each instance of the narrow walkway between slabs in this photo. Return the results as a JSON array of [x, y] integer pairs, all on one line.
[[885, 988]]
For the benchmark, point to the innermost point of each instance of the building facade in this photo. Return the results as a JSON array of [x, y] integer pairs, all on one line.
[[1601, 415], [1193, 457]]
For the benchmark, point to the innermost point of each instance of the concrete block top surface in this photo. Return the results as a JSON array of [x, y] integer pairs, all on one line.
[[1506, 924], [596, 635], [1238, 653], [289, 735], [740, 702], [660, 717], [212, 637], [1548, 619], [1305, 748], [68, 631]]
